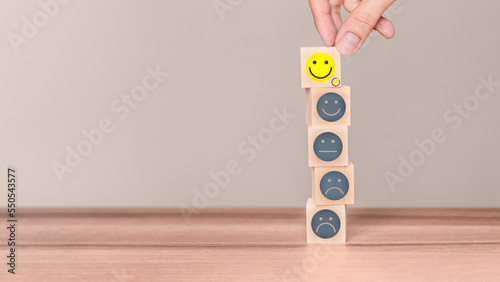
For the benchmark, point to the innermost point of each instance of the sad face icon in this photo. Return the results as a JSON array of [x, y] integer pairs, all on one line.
[[334, 185], [325, 224]]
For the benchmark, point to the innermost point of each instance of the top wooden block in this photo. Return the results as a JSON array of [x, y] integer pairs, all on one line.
[[320, 67]]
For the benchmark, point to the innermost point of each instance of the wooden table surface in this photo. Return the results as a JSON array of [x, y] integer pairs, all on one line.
[[253, 245]]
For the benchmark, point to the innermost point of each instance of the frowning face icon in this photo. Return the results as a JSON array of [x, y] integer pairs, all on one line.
[[334, 185], [325, 224]]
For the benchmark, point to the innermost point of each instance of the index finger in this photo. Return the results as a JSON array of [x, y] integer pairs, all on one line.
[[327, 19]]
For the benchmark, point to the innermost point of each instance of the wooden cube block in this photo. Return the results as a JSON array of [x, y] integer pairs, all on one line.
[[328, 106], [327, 146], [325, 224], [320, 67], [333, 185]]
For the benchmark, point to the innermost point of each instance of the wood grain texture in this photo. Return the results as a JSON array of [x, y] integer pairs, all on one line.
[[253, 245]]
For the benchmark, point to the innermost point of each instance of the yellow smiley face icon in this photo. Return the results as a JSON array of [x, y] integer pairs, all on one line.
[[320, 67]]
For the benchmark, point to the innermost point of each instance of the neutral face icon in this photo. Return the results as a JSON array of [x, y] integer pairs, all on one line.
[[325, 224], [320, 67], [327, 146], [334, 185], [331, 107]]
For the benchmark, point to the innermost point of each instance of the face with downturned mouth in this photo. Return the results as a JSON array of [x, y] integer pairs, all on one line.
[[327, 146], [334, 185], [320, 67], [331, 107], [325, 224]]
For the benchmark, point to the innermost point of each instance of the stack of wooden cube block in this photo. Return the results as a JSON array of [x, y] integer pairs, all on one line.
[[328, 116]]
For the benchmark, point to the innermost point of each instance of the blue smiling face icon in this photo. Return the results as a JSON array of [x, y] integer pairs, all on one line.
[[331, 107], [325, 224], [334, 185], [327, 146]]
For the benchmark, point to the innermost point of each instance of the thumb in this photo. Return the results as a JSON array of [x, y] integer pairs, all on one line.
[[359, 24]]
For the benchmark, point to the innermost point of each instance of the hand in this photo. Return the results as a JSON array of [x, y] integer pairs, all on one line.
[[348, 37]]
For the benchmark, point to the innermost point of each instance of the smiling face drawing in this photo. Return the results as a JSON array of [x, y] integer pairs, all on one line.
[[331, 107], [320, 67], [325, 224], [327, 146], [334, 185]]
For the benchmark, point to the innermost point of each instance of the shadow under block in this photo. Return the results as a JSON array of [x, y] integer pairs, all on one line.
[[327, 146], [333, 185], [325, 224], [320, 67], [328, 106]]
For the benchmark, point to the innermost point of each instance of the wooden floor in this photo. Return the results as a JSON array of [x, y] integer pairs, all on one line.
[[253, 245]]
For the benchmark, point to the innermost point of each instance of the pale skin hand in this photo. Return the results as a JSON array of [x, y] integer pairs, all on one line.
[[349, 36]]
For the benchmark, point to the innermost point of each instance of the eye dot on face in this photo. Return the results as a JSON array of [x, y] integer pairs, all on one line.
[[333, 141], [336, 102], [326, 62], [326, 101], [314, 62], [322, 141], [320, 218], [329, 180], [331, 219], [339, 180]]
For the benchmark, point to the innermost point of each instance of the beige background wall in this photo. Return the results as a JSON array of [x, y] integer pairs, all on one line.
[[228, 75]]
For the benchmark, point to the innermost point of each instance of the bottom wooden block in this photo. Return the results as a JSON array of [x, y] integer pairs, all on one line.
[[325, 224]]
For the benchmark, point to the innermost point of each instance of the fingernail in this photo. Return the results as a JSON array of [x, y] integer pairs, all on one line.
[[348, 44]]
